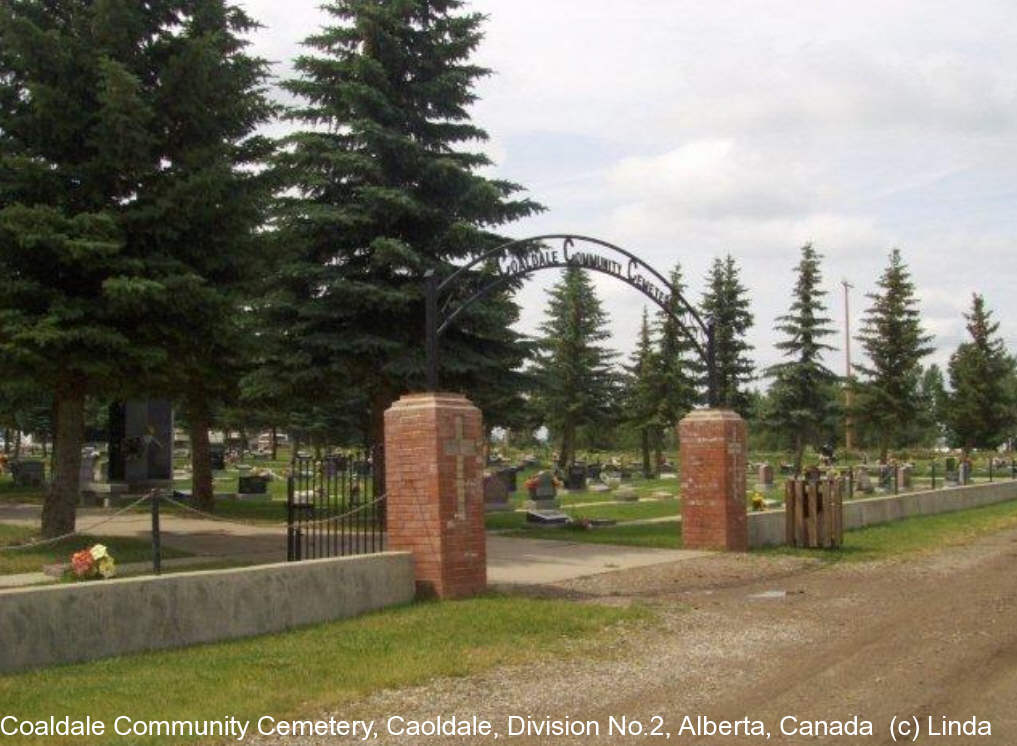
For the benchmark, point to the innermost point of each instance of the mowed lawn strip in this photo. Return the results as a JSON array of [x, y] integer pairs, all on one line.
[[914, 536], [898, 538], [14, 560], [315, 669]]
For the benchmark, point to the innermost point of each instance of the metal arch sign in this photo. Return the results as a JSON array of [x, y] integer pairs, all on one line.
[[523, 257]]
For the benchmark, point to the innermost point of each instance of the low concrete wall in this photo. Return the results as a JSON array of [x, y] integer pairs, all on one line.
[[767, 529], [84, 621]]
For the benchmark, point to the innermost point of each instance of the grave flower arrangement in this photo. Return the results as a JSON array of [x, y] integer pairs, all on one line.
[[532, 482], [92, 564]]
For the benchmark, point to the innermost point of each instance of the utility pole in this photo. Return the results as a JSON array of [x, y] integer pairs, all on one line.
[[848, 439]]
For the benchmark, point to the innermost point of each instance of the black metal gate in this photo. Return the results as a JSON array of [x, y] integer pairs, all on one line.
[[335, 506]]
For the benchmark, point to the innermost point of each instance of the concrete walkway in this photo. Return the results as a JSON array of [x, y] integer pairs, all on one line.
[[515, 561], [510, 560]]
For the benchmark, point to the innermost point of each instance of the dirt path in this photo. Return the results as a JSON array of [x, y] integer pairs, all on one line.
[[935, 636]]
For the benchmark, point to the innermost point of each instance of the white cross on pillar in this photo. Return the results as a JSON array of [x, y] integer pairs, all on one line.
[[460, 448]]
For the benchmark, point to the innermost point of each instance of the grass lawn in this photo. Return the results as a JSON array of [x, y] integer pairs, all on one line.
[[899, 538], [32, 560], [655, 535], [613, 511], [304, 672], [914, 536]]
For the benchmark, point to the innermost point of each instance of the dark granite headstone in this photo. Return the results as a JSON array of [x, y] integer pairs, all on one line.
[[217, 456], [252, 485], [508, 476], [576, 479], [141, 442]]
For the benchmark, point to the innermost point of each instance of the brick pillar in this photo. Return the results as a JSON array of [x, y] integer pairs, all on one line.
[[434, 477], [712, 449]]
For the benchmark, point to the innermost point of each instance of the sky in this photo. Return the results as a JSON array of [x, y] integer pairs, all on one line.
[[686, 130]]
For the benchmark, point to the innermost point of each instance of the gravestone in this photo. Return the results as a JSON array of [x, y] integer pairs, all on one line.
[[496, 494], [508, 476], [863, 482], [252, 484], [217, 456], [543, 494], [964, 472], [765, 476], [89, 460], [141, 443], [593, 471], [904, 472], [28, 472], [576, 477]]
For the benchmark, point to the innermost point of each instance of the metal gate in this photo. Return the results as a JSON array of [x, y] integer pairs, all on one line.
[[335, 506]]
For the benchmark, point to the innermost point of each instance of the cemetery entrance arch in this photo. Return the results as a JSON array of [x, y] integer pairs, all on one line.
[[434, 462], [514, 260]]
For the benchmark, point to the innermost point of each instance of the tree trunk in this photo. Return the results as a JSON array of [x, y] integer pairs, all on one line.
[[799, 453], [275, 443], [59, 510], [201, 458], [17, 444], [645, 438], [380, 402], [567, 437], [7, 441]]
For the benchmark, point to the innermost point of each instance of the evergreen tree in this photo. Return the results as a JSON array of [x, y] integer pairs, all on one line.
[[77, 143], [726, 306], [799, 407], [980, 410], [678, 364], [888, 396], [198, 218], [577, 386], [384, 188], [643, 387]]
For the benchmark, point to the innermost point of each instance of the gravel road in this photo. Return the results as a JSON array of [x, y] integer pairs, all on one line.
[[931, 638]]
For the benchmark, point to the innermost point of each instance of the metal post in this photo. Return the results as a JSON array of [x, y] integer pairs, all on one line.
[[933, 473], [991, 459], [711, 366], [896, 479], [431, 331], [156, 538], [291, 555]]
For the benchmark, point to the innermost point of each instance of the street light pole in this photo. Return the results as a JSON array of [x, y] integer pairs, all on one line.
[[848, 425]]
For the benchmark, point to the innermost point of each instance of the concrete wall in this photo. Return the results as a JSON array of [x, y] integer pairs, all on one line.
[[84, 621], [767, 529]]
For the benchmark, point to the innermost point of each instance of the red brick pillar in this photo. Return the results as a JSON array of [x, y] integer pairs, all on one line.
[[712, 449], [434, 477]]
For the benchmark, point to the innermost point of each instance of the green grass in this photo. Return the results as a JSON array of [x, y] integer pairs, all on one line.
[[13, 561], [510, 520], [656, 535], [303, 672], [913, 536]]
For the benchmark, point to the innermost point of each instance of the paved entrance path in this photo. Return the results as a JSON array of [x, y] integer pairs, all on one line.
[[509, 560], [538, 561]]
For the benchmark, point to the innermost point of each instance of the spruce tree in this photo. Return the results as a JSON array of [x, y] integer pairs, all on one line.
[[576, 384], [799, 406], [77, 143], [643, 387], [979, 409], [892, 337], [677, 358], [726, 306], [384, 187], [197, 220]]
